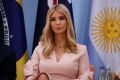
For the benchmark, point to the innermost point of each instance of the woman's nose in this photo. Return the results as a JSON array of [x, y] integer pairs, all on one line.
[[57, 21]]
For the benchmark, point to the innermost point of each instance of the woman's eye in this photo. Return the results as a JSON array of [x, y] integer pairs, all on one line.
[[52, 19], [62, 18]]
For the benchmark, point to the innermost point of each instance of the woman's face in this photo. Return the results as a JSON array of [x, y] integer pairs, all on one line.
[[58, 22]]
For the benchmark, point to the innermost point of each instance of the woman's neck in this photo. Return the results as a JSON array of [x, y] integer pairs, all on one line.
[[60, 41]]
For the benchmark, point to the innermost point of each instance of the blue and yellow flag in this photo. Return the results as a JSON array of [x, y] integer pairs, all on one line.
[[14, 31]]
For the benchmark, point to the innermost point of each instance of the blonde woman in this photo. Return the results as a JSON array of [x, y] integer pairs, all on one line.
[[58, 56]]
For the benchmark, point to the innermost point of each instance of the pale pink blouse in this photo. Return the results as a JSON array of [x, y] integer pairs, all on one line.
[[70, 66]]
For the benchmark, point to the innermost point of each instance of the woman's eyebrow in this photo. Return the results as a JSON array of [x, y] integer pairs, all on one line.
[[58, 16]]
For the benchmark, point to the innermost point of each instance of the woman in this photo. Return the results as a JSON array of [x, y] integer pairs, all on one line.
[[58, 56]]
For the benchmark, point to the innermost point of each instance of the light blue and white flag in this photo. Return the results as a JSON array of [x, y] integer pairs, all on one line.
[[82, 12], [104, 32], [97, 25]]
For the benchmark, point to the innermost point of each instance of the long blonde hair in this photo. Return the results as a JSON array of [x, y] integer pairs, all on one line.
[[47, 38]]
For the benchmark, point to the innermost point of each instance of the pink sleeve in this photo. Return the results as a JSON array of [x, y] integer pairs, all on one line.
[[31, 68], [84, 66]]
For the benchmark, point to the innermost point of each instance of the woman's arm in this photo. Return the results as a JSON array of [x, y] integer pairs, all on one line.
[[31, 68], [43, 76], [84, 66]]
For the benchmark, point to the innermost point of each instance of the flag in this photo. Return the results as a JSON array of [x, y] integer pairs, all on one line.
[[14, 32], [68, 4], [104, 32], [40, 20], [82, 21], [43, 6]]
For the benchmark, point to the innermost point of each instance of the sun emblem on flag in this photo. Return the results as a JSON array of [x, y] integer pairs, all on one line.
[[105, 30]]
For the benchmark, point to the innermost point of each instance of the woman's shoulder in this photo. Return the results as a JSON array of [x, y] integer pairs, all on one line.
[[39, 47], [82, 49], [81, 45], [40, 44]]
